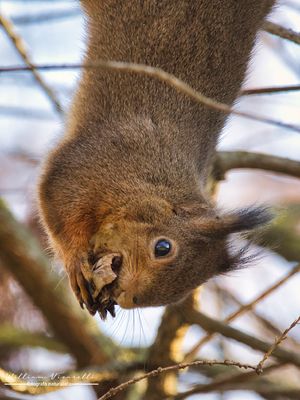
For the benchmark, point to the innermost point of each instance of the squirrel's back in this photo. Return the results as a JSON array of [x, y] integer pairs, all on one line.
[[194, 40]]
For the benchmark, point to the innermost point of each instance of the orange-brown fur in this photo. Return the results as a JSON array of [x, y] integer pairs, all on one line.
[[134, 162]]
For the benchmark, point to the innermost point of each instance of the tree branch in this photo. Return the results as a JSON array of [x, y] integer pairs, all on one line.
[[270, 90], [243, 309], [113, 391], [10, 336], [270, 390], [163, 76], [21, 256], [276, 344], [213, 325], [284, 33], [20, 48], [166, 348], [228, 160], [236, 381], [265, 323]]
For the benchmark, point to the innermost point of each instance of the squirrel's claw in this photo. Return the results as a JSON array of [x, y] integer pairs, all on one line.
[[83, 290]]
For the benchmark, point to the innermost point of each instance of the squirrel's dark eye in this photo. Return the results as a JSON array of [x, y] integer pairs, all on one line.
[[162, 248]]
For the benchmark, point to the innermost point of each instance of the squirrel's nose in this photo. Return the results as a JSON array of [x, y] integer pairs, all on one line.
[[126, 300]]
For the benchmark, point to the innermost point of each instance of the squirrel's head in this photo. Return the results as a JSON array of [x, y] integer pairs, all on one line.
[[165, 251]]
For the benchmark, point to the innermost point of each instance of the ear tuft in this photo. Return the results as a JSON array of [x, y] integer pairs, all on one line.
[[245, 219], [232, 222]]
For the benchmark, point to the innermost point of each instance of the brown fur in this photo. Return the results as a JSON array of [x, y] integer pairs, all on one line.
[[134, 162]]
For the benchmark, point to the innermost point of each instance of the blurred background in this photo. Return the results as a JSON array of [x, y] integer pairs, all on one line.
[[32, 109]]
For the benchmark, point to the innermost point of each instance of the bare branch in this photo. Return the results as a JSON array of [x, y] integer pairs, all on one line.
[[212, 325], [270, 90], [227, 160], [284, 33], [276, 344], [10, 336], [20, 254], [246, 307], [234, 381], [268, 390], [163, 76], [166, 348], [19, 46], [112, 392], [265, 323]]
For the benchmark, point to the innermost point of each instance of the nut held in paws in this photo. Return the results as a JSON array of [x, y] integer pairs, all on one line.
[[103, 273]]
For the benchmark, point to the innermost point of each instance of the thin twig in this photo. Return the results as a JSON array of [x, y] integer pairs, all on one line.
[[19, 46], [276, 343], [163, 76], [246, 307], [225, 383], [113, 391], [284, 33], [270, 90]]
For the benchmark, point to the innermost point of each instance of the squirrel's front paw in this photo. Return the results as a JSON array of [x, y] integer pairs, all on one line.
[[92, 283]]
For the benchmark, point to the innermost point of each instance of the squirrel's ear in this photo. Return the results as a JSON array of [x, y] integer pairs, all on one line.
[[237, 221]]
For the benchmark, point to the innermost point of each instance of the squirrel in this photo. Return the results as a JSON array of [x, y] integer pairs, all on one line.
[[123, 195]]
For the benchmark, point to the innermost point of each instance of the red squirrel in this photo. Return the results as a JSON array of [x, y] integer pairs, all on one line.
[[123, 195]]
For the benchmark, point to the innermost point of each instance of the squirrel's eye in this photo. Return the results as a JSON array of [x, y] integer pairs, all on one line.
[[162, 248]]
